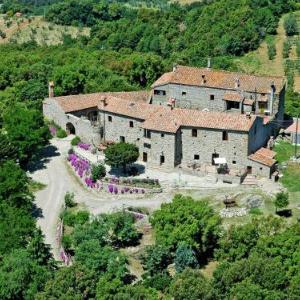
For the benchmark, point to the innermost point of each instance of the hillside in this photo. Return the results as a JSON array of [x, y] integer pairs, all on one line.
[[28, 29]]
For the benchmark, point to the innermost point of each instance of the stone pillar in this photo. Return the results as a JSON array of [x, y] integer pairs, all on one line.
[[51, 89]]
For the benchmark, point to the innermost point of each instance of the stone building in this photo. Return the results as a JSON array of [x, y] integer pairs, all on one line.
[[181, 133], [215, 90]]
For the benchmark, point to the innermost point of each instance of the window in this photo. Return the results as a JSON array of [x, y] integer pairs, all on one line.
[[183, 94], [234, 162], [122, 139], [159, 92], [196, 156], [131, 124], [109, 118], [146, 145], [147, 133], [162, 135], [225, 136], [212, 97], [145, 157], [232, 104], [162, 159], [194, 132]]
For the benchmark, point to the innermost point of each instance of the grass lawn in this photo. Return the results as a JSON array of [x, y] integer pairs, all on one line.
[[285, 151], [291, 177]]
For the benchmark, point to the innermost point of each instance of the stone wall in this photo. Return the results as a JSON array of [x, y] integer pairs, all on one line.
[[210, 141], [161, 144], [197, 97], [83, 127]]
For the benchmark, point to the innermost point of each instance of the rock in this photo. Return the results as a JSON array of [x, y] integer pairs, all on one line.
[[233, 212], [253, 201]]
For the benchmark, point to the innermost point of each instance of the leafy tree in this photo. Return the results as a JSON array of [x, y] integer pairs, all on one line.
[[281, 200], [136, 292], [39, 251], [121, 229], [26, 131], [16, 228], [190, 284], [291, 24], [7, 150], [189, 222], [20, 276], [98, 172], [75, 282], [156, 259], [14, 186], [69, 200], [239, 240], [185, 257], [121, 154]]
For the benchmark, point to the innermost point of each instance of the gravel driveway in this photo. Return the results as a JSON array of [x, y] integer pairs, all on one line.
[[52, 171]]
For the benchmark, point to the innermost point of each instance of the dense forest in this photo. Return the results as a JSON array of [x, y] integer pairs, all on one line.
[[129, 47]]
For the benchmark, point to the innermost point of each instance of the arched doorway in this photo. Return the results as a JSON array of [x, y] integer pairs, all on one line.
[[70, 128]]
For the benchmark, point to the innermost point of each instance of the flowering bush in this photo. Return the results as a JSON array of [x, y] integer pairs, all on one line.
[[84, 146], [53, 130]]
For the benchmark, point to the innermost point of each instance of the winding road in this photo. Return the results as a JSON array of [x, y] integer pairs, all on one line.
[[52, 170]]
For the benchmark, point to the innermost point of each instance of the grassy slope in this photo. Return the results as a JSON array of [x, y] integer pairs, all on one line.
[[42, 32]]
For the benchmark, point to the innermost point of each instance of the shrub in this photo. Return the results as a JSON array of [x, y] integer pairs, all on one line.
[[286, 49], [69, 200], [61, 133], [98, 172], [271, 50], [71, 219], [281, 200], [290, 25], [66, 242], [75, 141], [185, 257]]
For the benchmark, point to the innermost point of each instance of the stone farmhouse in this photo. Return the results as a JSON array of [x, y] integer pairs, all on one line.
[[199, 120]]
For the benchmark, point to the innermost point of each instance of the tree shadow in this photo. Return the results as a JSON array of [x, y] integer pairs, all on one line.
[[286, 213], [37, 212], [132, 170], [43, 158]]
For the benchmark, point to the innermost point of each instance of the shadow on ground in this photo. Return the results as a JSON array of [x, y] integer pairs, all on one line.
[[37, 212], [44, 157], [133, 170]]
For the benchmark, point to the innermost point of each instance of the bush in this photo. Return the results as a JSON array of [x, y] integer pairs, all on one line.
[[75, 141], [61, 133], [185, 257], [271, 50], [71, 219], [98, 172], [281, 200], [286, 49], [290, 25], [69, 200], [66, 242]]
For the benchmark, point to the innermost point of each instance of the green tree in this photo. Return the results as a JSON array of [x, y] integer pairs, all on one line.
[[121, 155], [14, 186], [189, 222], [281, 200], [20, 276], [190, 284], [39, 251], [16, 228], [7, 150], [26, 131], [156, 259], [98, 172], [75, 282], [291, 25], [185, 257]]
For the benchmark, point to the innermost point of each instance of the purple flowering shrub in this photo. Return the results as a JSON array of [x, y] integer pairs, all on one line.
[[84, 146], [53, 130]]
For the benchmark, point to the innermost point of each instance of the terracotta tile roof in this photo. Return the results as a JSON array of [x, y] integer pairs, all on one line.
[[292, 128], [80, 102], [139, 110], [264, 156], [220, 79], [233, 96]]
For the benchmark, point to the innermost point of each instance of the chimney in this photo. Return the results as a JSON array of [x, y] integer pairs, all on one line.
[[103, 101], [174, 67], [272, 97], [208, 63], [203, 79], [237, 83], [51, 89]]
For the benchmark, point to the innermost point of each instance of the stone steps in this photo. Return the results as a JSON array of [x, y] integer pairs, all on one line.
[[250, 180]]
